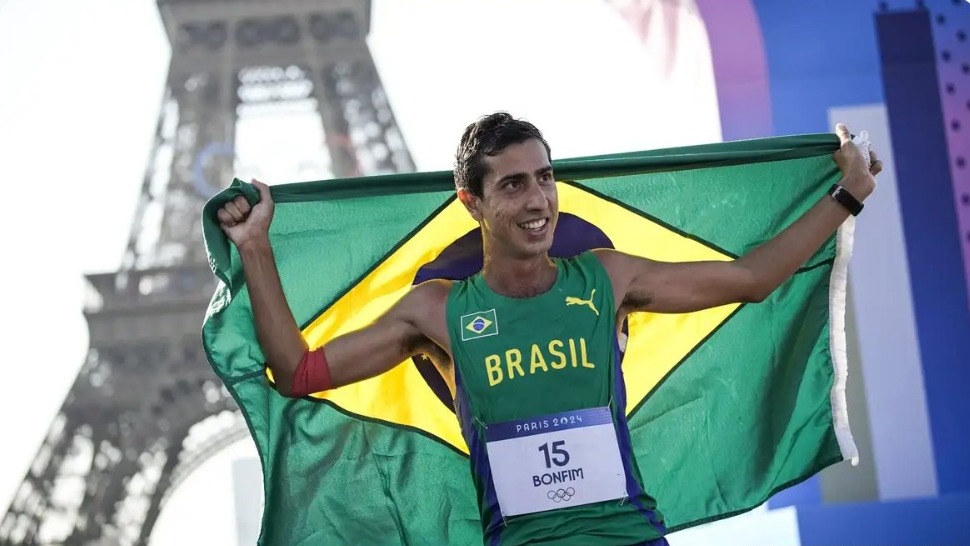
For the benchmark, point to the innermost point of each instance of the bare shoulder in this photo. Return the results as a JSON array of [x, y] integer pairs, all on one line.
[[430, 293], [620, 266], [622, 269], [609, 257], [420, 301]]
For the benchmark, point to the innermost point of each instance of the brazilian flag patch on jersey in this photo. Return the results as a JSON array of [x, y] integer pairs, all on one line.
[[476, 325]]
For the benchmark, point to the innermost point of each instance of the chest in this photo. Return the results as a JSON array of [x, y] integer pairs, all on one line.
[[517, 361]]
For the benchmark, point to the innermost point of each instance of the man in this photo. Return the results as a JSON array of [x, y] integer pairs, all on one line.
[[529, 345]]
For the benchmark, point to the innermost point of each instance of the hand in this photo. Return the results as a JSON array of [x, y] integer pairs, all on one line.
[[244, 224], [858, 178]]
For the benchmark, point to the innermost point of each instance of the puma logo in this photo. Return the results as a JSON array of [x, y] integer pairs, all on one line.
[[570, 300]]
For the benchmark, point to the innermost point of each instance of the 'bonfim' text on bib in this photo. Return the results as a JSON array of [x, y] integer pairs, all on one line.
[[555, 461]]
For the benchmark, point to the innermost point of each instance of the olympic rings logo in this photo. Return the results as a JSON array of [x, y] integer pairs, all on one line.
[[561, 495]]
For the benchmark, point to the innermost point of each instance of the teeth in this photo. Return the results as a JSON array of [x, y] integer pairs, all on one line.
[[534, 225]]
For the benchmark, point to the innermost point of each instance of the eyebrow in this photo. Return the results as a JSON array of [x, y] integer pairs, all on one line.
[[516, 176]]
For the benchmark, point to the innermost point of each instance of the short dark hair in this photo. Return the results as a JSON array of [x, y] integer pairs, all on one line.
[[487, 137]]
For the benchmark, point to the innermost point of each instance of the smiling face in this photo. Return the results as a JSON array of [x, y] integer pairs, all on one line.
[[519, 203]]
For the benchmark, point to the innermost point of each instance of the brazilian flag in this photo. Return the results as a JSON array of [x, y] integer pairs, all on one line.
[[726, 406]]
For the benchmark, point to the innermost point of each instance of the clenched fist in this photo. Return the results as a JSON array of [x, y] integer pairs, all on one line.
[[858, 177], [243, 224]]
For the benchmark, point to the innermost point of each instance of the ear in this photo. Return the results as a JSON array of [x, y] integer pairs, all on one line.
[[473, 203]]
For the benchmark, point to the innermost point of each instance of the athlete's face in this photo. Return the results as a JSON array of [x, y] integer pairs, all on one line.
[[519, 204]]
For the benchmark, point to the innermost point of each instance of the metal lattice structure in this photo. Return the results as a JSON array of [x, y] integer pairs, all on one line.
[[146, 409]]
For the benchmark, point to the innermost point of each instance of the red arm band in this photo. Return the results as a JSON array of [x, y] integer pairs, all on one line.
[[312, 375]]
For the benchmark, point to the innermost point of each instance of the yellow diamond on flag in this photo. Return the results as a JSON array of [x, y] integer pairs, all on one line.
[[657, 342]]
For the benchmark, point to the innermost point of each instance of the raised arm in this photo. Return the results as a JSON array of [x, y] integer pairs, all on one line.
[[646, 285], [353, 357]]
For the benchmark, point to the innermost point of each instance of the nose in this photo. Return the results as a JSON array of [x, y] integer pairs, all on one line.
[[536, 199]]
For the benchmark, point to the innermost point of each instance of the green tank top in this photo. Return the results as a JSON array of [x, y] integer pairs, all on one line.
[[540, 399]]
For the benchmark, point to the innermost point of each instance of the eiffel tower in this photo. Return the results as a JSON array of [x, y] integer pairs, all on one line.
[[146, 409]]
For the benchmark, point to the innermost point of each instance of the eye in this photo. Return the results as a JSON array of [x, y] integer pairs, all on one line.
[[546, 177], [512, 184]]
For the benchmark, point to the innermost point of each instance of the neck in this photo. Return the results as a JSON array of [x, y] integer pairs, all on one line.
[[519, 277]]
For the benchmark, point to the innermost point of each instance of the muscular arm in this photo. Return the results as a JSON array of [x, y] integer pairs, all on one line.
[[397, 335], [370, 351], [661, 287], [400, 333], [646, 285], [276, 329]]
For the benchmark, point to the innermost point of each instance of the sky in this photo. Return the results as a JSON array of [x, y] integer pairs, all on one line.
[[80, 98]]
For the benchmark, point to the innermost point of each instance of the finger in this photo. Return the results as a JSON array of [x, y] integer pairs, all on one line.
[[225, 218], [242, 204], [843, 132], [234, 211], [264, 194], [876, 167]]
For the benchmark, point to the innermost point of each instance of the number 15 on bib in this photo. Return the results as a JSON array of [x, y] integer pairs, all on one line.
[[555, 461]]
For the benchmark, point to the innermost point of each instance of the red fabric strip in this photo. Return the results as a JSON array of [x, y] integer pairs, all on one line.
[[312, 375]]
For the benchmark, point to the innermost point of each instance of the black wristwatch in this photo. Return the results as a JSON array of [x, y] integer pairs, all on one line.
[[847, 200]]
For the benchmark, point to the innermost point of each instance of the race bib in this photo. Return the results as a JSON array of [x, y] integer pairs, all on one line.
[[555, 461]]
